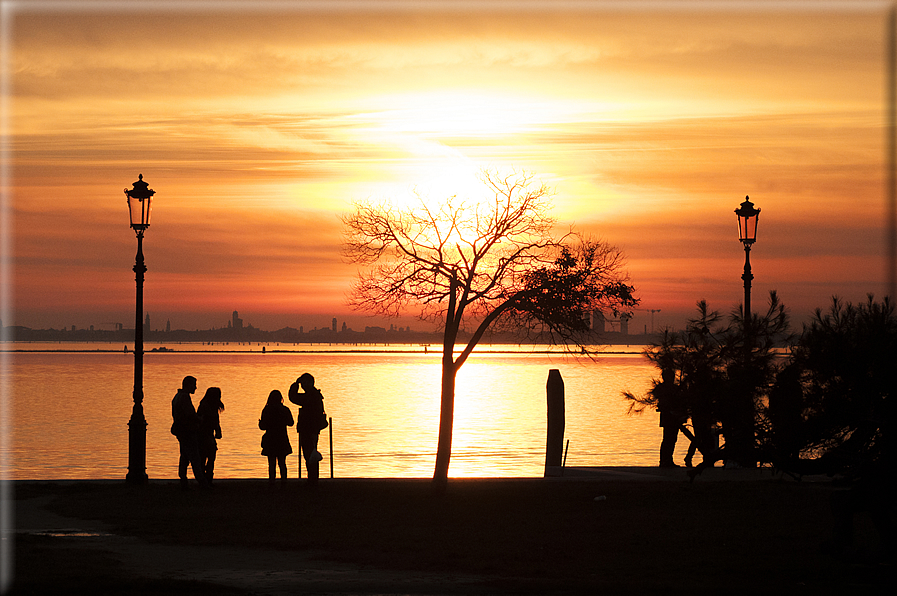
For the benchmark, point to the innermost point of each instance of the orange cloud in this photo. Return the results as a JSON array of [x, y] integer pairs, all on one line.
[[258, 127]]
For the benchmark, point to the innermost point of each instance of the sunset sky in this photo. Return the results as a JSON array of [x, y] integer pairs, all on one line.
[[257, 124]]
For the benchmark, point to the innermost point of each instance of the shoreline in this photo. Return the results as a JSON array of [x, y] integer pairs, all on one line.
[[279, 351], [624, 473], [568, 473], [335, 347]]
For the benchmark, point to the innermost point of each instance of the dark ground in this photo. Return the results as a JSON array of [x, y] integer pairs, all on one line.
[[750, 532]]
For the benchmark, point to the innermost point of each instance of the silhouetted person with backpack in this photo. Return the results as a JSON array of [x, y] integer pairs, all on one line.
[[274, 420], [209, 430], [311, 420], [185, 427]]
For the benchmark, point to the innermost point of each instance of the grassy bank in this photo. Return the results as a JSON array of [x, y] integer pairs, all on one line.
[[521, 535]]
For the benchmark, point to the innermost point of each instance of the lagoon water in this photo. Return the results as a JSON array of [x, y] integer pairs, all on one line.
[[70, 409]]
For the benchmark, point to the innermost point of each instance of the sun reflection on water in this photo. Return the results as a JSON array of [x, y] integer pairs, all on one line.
[[384, 405]]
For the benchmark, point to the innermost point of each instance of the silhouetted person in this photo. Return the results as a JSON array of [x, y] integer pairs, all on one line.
[[784, 410], [185, 427], [705, 440], [275, 419], [672, 415], [311, 420], [209, 429], [699, 395]]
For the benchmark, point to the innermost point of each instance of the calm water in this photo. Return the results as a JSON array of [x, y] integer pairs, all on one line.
[[70, 410]]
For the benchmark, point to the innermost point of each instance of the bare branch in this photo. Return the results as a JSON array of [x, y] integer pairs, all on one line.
[[492, 262], [510, 270]]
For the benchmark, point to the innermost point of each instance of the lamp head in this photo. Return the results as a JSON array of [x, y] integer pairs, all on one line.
[[140, 204], [747, 221]]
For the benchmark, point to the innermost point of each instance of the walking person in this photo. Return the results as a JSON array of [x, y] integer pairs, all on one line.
[[274, 420], [311, 420], [210, 406], [185, 426], [672, 415]]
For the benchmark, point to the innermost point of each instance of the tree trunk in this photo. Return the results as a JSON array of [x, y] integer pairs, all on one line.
[[446, 423], [447, 397]]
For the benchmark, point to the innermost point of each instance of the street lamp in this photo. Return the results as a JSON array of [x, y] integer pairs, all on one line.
[[139, 204], [747, 233], [741, 431]]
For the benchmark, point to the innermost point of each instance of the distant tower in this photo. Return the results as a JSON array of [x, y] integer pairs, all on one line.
[[168, 326], [333, 324], [344, 326], [237, 322], [598, 321], [146, 324], [624, 323]]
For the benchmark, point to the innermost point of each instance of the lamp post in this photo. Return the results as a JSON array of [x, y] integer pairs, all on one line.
[[747, 233], [139, 204], [742, 431]]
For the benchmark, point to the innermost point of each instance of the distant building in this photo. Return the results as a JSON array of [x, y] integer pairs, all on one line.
[[598, 321], [333, 324], [344, 326], [237, 322], [168, 326], [146, 324]]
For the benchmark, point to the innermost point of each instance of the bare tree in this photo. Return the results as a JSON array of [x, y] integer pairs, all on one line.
[[489, 263]]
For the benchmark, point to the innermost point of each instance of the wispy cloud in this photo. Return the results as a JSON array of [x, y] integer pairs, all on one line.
[[256, 128]]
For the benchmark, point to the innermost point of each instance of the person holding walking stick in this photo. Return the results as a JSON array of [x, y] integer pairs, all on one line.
[[312, 419]]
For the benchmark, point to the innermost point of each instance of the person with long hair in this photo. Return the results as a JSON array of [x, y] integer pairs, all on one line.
[[274, 420], [210, 406]]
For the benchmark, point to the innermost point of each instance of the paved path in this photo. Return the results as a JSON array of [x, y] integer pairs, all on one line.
[[257, 571], [274, 572]]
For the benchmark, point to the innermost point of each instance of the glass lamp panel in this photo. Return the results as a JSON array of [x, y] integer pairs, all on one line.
[[140, 212], [751, 227]]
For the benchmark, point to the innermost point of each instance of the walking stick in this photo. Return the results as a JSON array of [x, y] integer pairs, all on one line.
[[564, 463], [299, 452]]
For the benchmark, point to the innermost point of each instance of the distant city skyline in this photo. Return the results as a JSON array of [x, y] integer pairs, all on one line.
[[622, 324], [258, 125]]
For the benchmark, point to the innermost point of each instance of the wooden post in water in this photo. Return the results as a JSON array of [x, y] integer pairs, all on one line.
[[555, 444], [330, 427]]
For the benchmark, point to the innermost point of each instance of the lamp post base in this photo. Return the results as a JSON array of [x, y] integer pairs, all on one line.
[[137, 447]]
